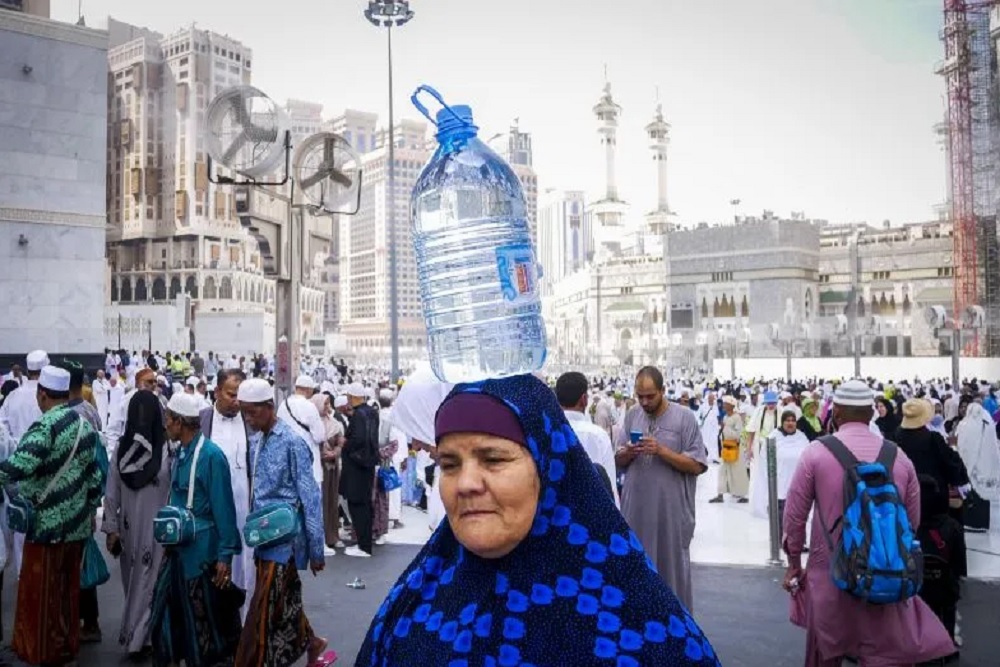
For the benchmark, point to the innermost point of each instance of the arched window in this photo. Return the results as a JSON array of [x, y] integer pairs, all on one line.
[[175, 287], [126, 290], [239, 290], [883, 306], [141, 293], [210, 290], [907, 306], [875, 308], [704, 307], [745, 307], [861, 306], [716, 310], [191, 287], [226, 288], [159, 289], [114, 290]]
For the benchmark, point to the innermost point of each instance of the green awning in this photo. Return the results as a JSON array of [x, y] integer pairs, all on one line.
[[834, 296], [935, 295], [625, 306]]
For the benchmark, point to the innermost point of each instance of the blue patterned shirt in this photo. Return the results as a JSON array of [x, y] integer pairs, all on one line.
[[282, 473]]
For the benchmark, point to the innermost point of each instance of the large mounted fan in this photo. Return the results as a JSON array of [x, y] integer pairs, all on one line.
[[247, 132], [328, 171]]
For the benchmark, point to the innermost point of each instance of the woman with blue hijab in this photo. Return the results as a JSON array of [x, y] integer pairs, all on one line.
[[534, 565]]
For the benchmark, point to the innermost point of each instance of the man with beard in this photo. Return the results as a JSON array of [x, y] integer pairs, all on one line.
[[662, 468], [223, 424]]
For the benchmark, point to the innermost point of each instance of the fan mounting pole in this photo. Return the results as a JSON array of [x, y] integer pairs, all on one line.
[[387, 13]]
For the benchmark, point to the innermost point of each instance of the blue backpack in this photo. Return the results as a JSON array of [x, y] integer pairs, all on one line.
[[877, 557]]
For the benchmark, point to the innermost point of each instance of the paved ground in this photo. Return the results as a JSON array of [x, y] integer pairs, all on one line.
[[742, 610]]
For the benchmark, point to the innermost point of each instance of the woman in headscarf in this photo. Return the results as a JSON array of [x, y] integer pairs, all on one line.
[[138, 486], [330, 457], [887, 420], [809, 423], [534, 565], [927, 449], [977, 445], [789, 445]]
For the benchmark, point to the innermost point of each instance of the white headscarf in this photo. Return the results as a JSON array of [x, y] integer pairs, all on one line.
[[418, 400], [977, 445]]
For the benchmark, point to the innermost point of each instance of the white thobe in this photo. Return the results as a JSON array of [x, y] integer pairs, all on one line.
[[231, 437], [396, 496], [117, 416], [597, 444], [314, 433], [102, 389], [20, 410], [708, 421]]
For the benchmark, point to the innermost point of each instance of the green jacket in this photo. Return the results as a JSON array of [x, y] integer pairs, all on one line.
[[67, 513]]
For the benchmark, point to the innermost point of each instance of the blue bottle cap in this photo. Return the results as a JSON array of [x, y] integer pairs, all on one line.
[[455, 117]]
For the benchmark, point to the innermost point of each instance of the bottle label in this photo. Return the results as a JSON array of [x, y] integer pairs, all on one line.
[[518, 272]]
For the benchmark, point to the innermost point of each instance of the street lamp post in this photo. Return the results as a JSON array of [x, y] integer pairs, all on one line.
[[389, 13]]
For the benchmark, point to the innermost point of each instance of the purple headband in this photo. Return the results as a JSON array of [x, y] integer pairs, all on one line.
[[478, 413]]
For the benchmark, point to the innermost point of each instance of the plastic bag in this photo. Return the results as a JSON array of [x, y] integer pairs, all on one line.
[[93, 569]]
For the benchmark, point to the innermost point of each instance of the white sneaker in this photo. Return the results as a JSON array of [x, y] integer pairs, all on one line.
[[380, 541], [327, 552], [356, 552]]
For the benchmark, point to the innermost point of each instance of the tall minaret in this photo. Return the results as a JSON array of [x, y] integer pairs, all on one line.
[[607, 213], [607, 113], [658, 132]]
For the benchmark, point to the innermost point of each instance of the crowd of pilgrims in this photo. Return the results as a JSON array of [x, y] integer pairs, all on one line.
[[530, 533]]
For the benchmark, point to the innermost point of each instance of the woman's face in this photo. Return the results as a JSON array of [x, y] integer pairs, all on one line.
[[788, 425], [490, 488], [882, 410]]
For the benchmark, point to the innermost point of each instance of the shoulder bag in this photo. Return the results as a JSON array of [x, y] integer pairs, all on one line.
[[175, 526], [274, 524], [21, 511]]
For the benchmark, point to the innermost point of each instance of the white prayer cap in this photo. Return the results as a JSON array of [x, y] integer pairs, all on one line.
[[255, 390], [854, 393], [305, 382], [386, 394], [177, 388], [160, 379], [328, 387], [729, 400], [786, 394], [193, 381], [54, 378], [184, 405], [37, 360], [354, 389], [340, 401]]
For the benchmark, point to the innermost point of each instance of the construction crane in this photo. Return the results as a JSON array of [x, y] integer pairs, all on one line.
[[966, 37]]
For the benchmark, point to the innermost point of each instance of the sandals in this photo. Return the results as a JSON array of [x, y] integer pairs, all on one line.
[[324, 660]]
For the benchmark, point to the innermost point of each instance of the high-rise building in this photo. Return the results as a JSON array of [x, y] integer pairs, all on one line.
[[517, 152], [565, 242], [304, 118], [173, 233], [364, 242]]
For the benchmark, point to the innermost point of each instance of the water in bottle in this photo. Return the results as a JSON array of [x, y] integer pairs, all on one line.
[[475, 260]]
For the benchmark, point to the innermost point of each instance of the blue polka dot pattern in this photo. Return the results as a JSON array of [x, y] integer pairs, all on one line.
[[579, 590]]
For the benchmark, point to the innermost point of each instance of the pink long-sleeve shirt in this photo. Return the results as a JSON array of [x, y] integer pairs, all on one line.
[[839, 624]]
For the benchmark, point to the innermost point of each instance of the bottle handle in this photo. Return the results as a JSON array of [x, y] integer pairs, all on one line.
[[424, 88]]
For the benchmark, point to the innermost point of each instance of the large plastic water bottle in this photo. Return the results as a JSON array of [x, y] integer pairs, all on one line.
[[475, 261]]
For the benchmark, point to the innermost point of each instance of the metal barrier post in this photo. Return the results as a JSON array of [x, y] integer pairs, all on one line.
[[772, 501]]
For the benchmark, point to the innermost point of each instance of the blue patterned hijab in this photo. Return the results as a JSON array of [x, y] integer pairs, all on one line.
[[578, 590]]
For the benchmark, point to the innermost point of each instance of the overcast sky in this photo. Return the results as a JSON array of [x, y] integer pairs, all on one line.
[[822, 106]]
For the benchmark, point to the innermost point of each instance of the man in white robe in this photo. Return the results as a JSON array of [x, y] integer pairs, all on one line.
[[395, 496], [708, 422], [298, 412], [223, 424], [102, 390], [21, 410], [17, 414]]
